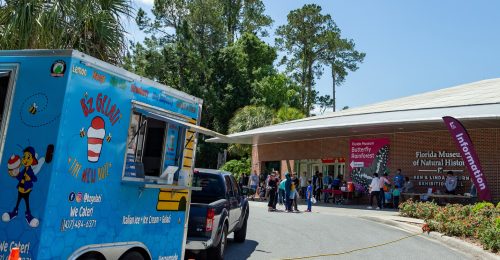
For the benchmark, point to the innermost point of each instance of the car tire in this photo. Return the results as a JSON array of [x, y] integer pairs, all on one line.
[[132, 255], [241, 234], [217, 252]]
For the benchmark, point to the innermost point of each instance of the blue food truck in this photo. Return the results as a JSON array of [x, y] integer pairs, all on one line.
[[96, 161]]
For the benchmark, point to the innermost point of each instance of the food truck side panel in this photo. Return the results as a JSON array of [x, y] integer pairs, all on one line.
[[90, 204], [26, 163]]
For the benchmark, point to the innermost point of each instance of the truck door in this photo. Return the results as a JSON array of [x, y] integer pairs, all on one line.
[[233, 203]]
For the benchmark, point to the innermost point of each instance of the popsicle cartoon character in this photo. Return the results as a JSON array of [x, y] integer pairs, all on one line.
[[26, 177], [95, 136]]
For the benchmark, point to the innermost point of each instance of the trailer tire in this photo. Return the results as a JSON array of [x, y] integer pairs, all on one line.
[[132, 255], [217, 252], [91, 256]]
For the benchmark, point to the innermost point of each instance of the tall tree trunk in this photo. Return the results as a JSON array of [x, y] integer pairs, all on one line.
[[303, 92], [309, 88], [333, 87]]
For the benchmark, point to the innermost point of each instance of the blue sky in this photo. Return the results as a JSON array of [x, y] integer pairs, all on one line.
[[411, 46]]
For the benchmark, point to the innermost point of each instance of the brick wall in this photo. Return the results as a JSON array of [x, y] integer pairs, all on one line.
[[403, 148]]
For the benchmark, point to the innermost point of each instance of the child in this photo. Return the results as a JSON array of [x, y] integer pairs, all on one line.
[[309, 196], [395, 196]]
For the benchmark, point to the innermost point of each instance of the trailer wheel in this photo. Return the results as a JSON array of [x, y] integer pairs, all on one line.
[[91, 256], [132, 255], [217, 252]]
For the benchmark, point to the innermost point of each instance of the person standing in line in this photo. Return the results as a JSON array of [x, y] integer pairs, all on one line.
[[309, 193], [326, 183], [252, 182], [272, 192], [399, 179], [408, 186], [303, 184], [314, 182], [267, 184], [278, 179], [395, 196], [375, 191], [450, 183], [281, 192], [293, 191], [383, 181], [288, 188], [296, 193], [319, 186]]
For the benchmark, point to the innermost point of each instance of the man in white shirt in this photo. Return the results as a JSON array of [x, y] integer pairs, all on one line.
[[375, 191]]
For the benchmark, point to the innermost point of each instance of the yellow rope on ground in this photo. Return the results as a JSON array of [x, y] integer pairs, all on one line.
[[354, 250]]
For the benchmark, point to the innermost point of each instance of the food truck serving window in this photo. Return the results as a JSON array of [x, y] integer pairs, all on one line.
[[153, 144]]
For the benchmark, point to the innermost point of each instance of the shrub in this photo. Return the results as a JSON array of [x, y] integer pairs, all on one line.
[[481, 220], [490, 238], [481, 205], [423, 210], [238, 167]]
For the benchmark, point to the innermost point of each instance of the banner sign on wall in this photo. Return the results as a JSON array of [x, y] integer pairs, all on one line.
[[368, 156], [367, 152], [469, 155]]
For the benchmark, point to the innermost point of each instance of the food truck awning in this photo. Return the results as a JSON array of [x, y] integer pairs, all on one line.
[[167, 116], [476, 104]]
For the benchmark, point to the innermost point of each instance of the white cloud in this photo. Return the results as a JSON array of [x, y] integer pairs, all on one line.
[[146, 2]]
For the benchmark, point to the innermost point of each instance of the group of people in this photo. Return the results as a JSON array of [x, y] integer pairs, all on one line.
[[321, 182], [283, 192], [382, 189]]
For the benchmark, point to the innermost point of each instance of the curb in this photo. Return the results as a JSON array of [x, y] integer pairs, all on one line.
[[452, 242]]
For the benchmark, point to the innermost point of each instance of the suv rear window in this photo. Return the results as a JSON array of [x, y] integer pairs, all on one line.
[[211, 185]]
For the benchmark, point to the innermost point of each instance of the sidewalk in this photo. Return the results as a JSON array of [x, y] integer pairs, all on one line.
[[392, 218]]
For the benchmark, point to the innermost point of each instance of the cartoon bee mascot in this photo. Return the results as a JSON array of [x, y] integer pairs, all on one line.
[[26, 178]]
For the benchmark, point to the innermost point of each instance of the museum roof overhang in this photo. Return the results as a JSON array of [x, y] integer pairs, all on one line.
[[476, 105]]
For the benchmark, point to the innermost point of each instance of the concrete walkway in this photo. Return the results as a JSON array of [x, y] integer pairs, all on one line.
[[392, 218]]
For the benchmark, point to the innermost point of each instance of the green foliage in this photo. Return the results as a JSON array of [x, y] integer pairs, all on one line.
[[302, 38], [287, 114], [93, 26], [238, 167], [275, 91], [341, 56], [211, 49], [481, 205], [480, 221]]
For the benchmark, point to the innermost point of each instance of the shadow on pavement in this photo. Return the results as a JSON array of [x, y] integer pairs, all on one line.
[[240, 250]]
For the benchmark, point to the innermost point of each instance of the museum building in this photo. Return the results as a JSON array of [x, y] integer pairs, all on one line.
[[405, 133]]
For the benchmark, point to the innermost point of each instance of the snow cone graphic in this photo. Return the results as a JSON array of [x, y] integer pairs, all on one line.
[[95, 136]]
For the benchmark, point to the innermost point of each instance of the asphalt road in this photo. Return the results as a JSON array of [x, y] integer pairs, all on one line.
[[280, 235]]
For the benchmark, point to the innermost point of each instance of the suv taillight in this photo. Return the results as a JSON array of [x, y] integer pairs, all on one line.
[[210, 220]]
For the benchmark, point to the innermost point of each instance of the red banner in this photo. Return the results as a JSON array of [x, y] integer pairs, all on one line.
[[469, 155]]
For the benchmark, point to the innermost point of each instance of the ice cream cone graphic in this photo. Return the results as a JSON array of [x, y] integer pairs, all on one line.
[[95, 136], [13, 165]]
